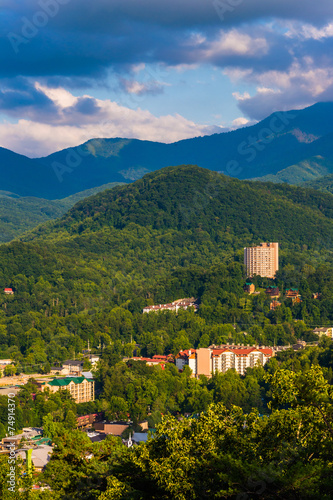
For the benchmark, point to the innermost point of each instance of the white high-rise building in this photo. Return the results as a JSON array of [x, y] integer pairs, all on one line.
[[262, 260]]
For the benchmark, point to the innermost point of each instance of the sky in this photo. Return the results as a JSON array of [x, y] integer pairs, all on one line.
[[73, 70]]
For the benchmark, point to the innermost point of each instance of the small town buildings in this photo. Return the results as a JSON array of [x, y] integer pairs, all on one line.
[[274, 304], [206, 361], [30, 435], [40, 456], [316, 295], [324, 331], [81, 389], [115, 428], [173, 306], [157, 359], [249, 288], [72, 367], [273, 292], [239, 358], [5, 362], [118, 427], [294, 295], [93, 359], [8, 291], [88, 420], [58, 370], [262, 260], [187, 357]]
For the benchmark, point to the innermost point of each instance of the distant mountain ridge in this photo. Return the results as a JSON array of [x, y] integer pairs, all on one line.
[[299, 141], [20, 214]]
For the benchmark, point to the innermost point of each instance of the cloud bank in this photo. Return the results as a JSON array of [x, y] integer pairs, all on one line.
[[281, 50]]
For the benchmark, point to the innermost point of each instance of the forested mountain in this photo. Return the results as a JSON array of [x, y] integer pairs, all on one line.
[[19, 214], [177, 232], [324, 184], [174, 233], [189, 198], [294, 146]]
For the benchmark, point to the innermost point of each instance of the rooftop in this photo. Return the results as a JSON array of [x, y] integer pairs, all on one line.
[[66, 381]]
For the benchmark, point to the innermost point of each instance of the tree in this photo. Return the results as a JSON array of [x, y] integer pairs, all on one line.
[[9, 370]]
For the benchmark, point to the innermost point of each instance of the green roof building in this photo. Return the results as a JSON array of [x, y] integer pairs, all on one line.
[[80, 388]]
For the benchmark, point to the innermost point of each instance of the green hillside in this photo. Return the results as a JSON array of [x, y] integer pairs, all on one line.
[[20, 214], [176, 232], [306, 170], [192, 200], [324, 184]]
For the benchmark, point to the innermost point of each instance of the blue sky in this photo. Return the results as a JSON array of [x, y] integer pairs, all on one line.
[[71, 70]]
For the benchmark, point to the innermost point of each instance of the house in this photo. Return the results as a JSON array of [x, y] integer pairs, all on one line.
[[293, 294], [249, 288], [115, 428], [89, 420], [72, 367], [154, 361], [173, 306], [274, 304], [273, 292], [8, 291], [40, 456], [6, 362], [93, 359], [316, 295], [58, 370], [28, 435], [325, 331], [81, 389]]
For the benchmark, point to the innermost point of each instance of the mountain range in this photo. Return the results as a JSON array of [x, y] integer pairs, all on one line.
[[297, 140], [294, 147]]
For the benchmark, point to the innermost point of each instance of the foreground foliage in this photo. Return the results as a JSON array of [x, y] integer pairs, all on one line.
[[224, 453]]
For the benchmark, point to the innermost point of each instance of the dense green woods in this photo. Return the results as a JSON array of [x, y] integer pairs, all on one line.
[[229, 450], [21, 214], [177, 232]]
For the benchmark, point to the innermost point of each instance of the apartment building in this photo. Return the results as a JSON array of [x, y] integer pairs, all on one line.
[[81, 389], [262, 260], [239, 358], [187, 357], [206, 361]]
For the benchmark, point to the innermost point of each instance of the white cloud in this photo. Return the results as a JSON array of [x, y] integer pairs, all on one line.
[[142, 88], [239, 122], [236, 43], [110, 119], [59, 96], [241, 97], [307, 31]]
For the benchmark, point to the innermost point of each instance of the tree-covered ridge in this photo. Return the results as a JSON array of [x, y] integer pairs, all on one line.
[[89, 276], [21, 214], [189, 198], [324, 184]]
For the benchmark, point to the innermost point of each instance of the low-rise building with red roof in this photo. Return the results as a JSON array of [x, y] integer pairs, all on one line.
[[222, 358], [173, 306]]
